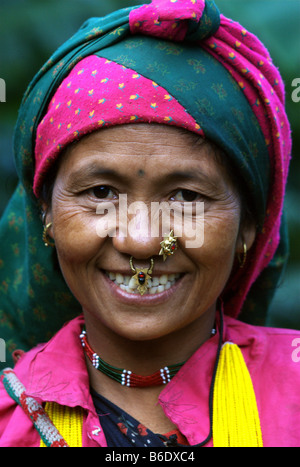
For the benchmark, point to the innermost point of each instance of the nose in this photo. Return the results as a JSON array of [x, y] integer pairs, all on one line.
[[136, 236], [140, 245]]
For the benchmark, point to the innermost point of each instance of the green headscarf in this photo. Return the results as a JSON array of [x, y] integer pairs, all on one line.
[[34, 300]]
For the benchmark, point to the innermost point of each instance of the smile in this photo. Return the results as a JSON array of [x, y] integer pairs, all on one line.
[[156, 284]]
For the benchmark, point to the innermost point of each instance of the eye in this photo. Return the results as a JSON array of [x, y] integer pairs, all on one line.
[[186, 195], [102, 192]]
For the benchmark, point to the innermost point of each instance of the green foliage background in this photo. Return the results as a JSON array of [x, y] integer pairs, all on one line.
[[30, 31]]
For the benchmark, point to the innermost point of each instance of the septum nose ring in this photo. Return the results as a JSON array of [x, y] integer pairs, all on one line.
[[141, 276]]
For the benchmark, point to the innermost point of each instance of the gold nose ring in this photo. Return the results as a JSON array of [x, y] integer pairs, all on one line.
[[141, 276], [168, 245]]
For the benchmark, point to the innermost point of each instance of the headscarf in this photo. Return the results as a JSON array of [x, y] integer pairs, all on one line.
[[203, 61]]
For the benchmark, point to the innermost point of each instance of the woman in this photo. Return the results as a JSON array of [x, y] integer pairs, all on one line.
[[150, 107]]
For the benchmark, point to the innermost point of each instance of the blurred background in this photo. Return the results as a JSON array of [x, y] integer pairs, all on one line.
[[31, 30]]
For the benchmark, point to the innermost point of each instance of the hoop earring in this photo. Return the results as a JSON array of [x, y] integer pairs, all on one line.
[[168, 246], [244, 259], [141, 276], [46, 239]]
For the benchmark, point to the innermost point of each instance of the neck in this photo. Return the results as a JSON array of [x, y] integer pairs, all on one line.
[[146, 357], [142, 403]]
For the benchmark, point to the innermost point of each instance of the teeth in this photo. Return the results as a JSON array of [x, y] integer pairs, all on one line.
[[112, 276], [119, 279], [131, 284], [163, 279], [155, 281], [155, 284]]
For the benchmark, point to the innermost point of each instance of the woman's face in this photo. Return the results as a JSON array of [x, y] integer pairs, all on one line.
[[150, 164]]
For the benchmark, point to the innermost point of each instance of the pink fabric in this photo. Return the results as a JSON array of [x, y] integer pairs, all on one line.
[[99, 93], [57, 372], [160, 18], [249, 62]]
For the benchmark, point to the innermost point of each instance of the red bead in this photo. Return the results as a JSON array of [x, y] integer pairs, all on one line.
[[141, 277]]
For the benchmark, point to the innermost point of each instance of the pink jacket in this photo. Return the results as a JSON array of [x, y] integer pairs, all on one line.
[[57, 372]]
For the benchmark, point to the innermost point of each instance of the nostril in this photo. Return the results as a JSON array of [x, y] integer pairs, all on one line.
[[141, 248]]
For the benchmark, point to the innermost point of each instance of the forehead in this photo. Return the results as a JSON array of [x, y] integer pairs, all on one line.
[[144, 147]]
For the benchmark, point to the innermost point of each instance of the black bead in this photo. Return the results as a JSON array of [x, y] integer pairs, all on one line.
[[141, 278]]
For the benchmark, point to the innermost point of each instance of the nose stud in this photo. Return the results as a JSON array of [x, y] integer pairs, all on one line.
[[141, 276], [168, 246]]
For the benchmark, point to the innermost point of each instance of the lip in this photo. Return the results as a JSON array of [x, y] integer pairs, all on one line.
[[128, 273], [142, 300]]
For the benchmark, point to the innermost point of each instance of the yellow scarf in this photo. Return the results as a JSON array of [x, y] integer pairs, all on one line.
[[235, 415]]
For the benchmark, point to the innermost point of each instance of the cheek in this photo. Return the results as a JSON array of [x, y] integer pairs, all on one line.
[[221, 230], [75, 235]]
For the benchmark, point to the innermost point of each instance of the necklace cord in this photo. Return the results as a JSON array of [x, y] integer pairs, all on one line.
[[212, 385]]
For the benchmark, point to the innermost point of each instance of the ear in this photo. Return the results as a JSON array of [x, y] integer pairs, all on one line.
[[47, 218], [246, 236]]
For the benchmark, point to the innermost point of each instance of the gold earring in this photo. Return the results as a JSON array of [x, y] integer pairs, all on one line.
[[168, 245], [244, 259], [141, 276], [46, 239]]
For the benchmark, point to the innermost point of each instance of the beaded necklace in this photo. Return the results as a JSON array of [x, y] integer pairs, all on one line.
[[127, 377]]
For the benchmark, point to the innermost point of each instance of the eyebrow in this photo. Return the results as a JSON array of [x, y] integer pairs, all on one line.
[[193, 175], [85, 175]]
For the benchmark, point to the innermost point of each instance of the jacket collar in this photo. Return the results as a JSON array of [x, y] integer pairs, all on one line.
[[58, 370]]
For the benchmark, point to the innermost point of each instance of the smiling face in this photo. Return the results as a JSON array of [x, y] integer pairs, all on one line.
[[148, 163]]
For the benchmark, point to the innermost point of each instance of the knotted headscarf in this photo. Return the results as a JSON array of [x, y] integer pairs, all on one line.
[[209, 68]]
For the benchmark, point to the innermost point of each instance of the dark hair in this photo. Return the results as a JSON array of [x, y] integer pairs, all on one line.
[[49, 181]]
